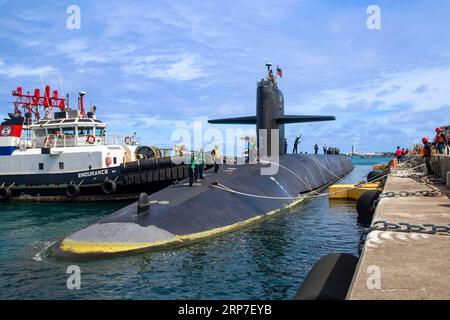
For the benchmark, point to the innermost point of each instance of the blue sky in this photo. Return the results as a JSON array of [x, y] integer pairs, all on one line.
[[152, 66]]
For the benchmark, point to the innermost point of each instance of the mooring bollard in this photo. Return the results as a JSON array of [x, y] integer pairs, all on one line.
[[143, 206]]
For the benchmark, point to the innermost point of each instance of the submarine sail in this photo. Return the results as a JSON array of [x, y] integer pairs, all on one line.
[[270, 113]]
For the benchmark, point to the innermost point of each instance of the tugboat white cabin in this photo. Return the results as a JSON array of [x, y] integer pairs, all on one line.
[[67, 155], [65, 145]]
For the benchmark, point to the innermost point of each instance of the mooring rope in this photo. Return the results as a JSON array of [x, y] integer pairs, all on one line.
[[225, 188], [409, 172], [318, 195], [289, 170], [405, 171], [318, 162]]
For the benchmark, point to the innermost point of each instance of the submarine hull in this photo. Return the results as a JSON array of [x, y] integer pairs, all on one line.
[[180, 214]]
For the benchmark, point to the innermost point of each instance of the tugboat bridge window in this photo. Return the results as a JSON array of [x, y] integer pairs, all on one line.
[[41, 166], [85, 131], [40, 132], [99, 132], [68, 131], [61, 165], [54, 131]]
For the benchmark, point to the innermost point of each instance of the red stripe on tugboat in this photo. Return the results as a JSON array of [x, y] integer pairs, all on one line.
[[11, 131]]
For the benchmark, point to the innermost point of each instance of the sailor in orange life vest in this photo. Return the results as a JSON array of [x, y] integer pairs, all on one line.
[[427, 154], [440, 140], [403, 154], [398, 154]]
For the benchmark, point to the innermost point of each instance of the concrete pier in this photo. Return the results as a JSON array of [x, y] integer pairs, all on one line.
[[441, 167], [407, 265]]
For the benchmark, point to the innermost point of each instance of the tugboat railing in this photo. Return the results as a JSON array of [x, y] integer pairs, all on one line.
[[113, 139], [57, 141], [63, 141]]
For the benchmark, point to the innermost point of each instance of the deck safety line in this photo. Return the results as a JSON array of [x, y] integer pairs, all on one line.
[[225, 188], [286, 168], [318, 162], [318, 195]]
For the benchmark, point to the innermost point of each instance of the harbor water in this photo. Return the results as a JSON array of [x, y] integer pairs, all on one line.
[[268, 260]]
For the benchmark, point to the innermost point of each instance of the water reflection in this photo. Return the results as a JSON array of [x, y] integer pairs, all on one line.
[[267, 260]]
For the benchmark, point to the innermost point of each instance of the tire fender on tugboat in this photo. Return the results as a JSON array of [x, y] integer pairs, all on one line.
[[5, 193], [72, 190], [109, 186]]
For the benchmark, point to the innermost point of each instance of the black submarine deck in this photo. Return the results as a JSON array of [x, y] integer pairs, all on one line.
[[180, 214]]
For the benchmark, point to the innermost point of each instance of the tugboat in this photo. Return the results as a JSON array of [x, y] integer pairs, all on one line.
[[66, 155]]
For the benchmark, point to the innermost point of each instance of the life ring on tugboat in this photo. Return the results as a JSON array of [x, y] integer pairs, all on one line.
[[90, 139], [109, 187], [5, 193], [128, 140], [72, 190]]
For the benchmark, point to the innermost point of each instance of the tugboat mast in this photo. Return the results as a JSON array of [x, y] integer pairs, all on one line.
[[29, 105]]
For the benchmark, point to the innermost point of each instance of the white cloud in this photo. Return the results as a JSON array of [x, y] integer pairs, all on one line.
[[182, 67], [144, 121], [231, 110], [78, 51], [19, 70], [389, 92], [395, 109], [82, 52]]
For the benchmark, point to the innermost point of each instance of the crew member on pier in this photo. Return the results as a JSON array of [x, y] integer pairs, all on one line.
[[398, 154], [427, 154], [440, 140]]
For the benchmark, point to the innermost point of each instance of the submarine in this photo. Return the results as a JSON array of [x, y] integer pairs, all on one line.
[[235, 196]]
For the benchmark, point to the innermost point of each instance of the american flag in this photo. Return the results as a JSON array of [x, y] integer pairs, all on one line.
[[279, 72]]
